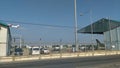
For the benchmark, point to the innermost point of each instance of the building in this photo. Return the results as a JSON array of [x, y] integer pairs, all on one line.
[[5, 39], [109, 28]]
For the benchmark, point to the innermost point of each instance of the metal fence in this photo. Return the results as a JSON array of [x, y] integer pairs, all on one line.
[[57, 55]]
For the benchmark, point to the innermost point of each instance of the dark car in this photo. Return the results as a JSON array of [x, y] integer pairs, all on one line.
[[18, 51]]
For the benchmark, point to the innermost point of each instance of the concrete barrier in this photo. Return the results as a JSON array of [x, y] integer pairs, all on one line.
[[57, 56]]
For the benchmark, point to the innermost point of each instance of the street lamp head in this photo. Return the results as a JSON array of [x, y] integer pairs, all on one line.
[[13, 26]]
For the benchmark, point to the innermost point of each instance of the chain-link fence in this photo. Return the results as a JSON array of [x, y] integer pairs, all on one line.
[[55, 52]]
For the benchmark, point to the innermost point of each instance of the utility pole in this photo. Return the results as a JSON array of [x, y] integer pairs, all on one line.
[[75, 13], [109, 22]]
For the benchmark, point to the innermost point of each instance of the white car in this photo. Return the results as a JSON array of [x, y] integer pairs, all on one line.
[[45, 51], [35, 50]]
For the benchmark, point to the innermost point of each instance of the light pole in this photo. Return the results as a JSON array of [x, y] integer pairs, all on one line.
[[91, 27], [20, 37], [75, 17], [91, 33]]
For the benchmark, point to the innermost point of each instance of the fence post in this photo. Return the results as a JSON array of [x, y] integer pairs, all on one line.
[[78, 53], [39, 56], [39, 53], [13, 58], [60, 52], [93, 53]]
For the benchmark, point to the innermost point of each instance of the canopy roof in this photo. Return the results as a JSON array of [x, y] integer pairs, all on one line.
[[100, 26], [4, 24]]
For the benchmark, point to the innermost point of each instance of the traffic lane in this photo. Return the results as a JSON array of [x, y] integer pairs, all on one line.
[[58, 63], [86, 62]]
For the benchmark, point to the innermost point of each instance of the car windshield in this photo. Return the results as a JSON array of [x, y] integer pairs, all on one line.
[[18, 50], [35, 48]]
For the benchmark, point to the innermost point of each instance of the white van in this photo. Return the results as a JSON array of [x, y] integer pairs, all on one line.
[[35, 50]]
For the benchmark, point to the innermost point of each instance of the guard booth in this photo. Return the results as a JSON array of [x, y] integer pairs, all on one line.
[[5, 39]]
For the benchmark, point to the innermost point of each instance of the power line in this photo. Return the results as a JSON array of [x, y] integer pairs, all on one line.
[[37, 24]]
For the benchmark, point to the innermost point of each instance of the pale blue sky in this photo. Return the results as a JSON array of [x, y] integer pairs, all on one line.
[[54, 12]]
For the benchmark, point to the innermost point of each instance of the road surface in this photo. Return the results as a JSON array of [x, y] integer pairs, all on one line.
[[86, 62]]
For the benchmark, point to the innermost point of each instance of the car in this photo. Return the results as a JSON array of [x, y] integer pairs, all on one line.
[[44, 51], [18, 51], [56, 48], [35, 50]]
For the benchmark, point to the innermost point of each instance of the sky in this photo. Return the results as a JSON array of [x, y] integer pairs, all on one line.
[[49, 14]]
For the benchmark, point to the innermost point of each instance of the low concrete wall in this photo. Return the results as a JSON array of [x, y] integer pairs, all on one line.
[[57, 56]]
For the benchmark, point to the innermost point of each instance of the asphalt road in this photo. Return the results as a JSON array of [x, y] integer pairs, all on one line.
[[87, 62]]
